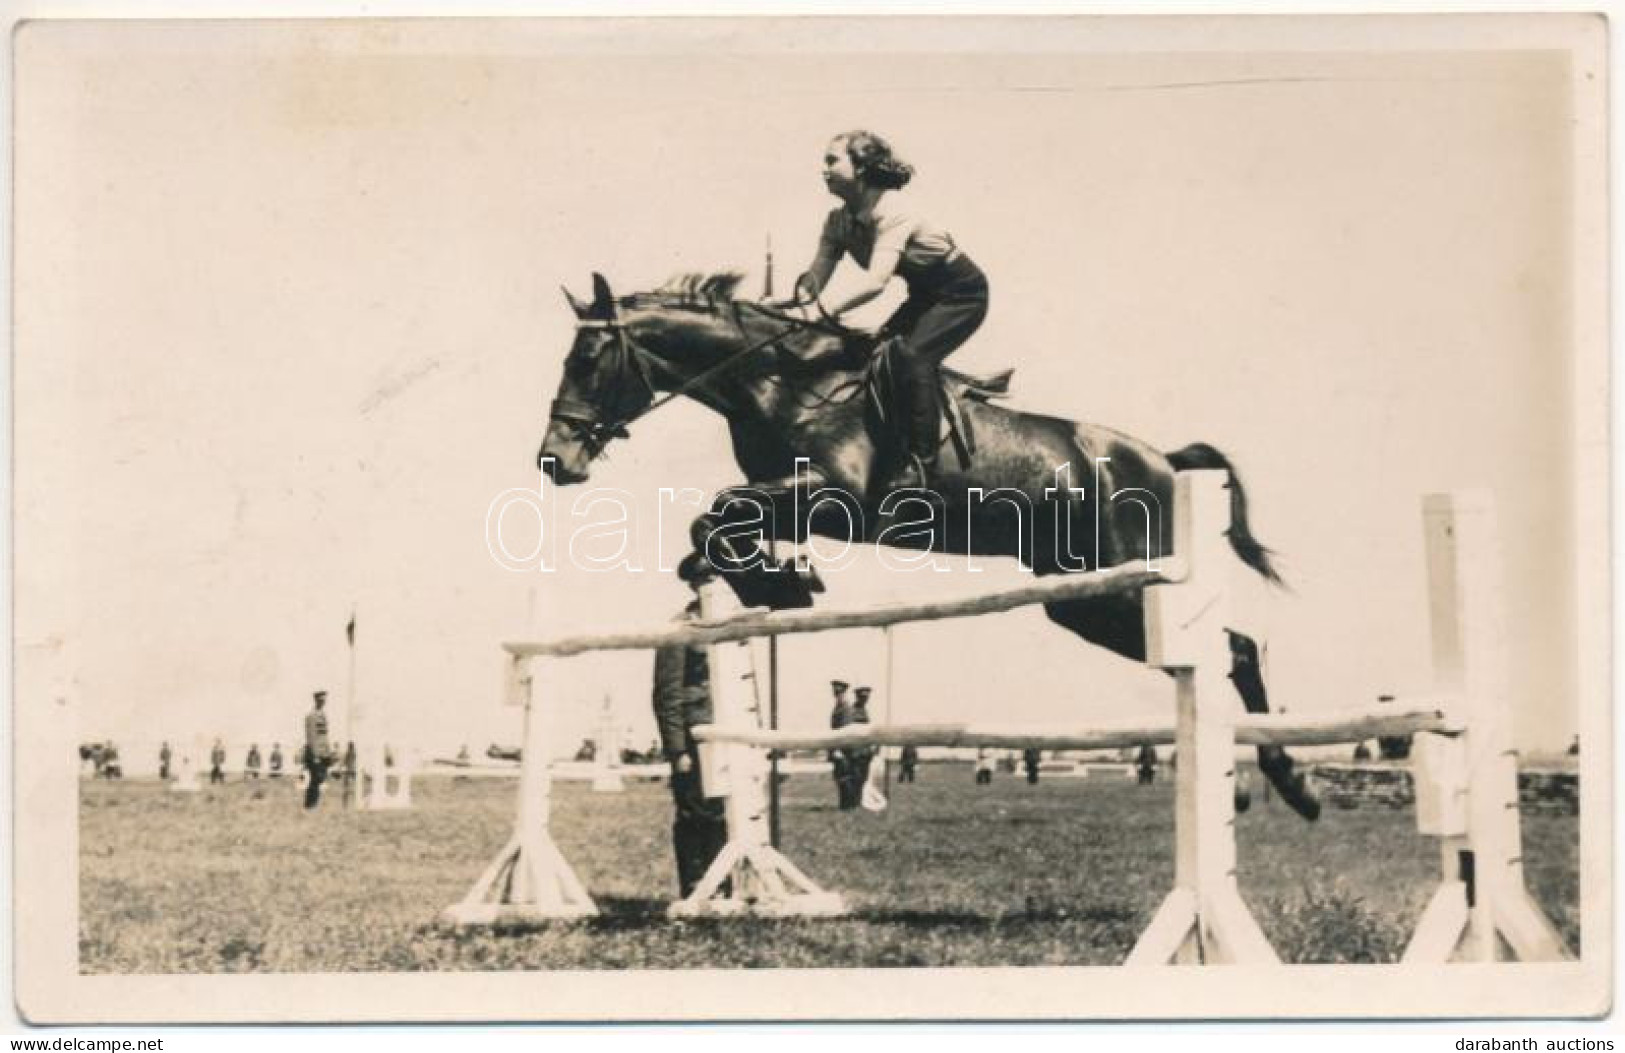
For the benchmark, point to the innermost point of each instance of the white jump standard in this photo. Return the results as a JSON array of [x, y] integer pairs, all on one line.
[[529, 880], [749, 875]]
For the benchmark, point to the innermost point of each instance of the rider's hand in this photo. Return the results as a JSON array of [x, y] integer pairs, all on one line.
[[683, 764]]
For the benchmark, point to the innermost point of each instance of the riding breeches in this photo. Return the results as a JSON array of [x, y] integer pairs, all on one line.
[[943, 309]]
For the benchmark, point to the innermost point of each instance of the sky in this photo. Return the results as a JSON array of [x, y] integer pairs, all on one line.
[[288, 321]]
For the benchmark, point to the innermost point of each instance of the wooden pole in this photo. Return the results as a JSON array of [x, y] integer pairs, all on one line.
[[1251, 729], [744, 625], [773, 725]]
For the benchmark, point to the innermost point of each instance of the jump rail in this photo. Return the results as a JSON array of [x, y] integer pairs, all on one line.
[[1252, 729], [1466, 773], [754, 623]]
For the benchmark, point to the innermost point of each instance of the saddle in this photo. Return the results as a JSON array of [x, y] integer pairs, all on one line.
[[953, 390]]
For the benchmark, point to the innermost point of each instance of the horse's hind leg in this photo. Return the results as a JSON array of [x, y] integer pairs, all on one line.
[[1117, 623], [1274, 761]]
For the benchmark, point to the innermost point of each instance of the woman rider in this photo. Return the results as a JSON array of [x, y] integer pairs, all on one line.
[[947, 293]]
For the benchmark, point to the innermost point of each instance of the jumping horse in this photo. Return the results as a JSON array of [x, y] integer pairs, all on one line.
[[808, 424]]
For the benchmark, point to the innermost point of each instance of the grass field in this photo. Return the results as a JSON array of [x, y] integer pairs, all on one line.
[[240, 878]]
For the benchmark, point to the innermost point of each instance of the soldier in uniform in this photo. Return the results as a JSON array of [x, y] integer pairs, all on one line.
[[1146, 765], [251, 763], [165, 755], [682, 700], [276, 760], [840, 715], [860, 758], [318, 749], [349, 768], [217, 762], [906, 763]]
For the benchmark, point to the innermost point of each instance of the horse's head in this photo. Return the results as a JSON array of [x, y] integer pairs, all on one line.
[[605, 385]]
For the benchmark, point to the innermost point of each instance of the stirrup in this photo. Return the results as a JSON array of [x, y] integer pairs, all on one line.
[[910, 474]]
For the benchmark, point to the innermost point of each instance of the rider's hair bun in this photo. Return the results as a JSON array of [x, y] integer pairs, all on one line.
[[874, 162]]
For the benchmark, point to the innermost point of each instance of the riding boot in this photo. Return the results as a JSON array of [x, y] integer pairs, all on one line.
[[920, 412]]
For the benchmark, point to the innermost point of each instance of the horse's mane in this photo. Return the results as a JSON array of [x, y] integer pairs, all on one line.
[[699, 290], [711, 293]]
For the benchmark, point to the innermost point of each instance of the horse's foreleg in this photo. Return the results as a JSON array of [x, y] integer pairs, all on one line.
[[735, 537]]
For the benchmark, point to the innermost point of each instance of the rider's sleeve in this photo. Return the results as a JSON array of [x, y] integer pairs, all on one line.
[[892, 236], [831, 247]]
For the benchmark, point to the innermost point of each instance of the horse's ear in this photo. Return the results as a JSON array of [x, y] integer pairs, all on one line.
[[576, 305], [603, 301]]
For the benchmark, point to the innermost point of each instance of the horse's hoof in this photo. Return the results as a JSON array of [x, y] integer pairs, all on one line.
[[1302, 799], [1293, 787]]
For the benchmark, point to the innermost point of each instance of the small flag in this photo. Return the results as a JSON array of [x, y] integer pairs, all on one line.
[[349, 630]]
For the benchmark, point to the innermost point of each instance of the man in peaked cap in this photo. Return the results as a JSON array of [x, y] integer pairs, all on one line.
[[682, 700], [318, 749], [840, 715]]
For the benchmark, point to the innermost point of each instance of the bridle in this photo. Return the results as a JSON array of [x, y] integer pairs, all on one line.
[[596, 427], [591, 428]]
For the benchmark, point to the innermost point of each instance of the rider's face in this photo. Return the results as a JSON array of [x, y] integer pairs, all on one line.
[[838, 174]]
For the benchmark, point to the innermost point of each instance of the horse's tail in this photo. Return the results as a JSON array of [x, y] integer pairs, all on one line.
[[1199, 455]]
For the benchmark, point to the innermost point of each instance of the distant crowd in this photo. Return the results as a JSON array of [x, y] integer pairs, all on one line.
[[103, 761]]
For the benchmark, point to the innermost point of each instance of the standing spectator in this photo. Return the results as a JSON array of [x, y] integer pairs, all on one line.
[[906, 763], [217, 762], [682, 700], [840, 715], [861, 758], [1030, 759], [318, 749], [349, 771], [1145, 766], [276, 760], [984, 766], [1362, 752], [251, 763], [165, 755]]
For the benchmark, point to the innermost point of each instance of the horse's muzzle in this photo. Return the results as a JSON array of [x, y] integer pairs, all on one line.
[[556, 470], [563, 458]]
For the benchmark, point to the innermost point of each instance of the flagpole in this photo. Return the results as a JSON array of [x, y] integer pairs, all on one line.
[[352, 784], [891, 686]]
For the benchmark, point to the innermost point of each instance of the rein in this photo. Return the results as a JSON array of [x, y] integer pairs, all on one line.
[[597, 432]]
